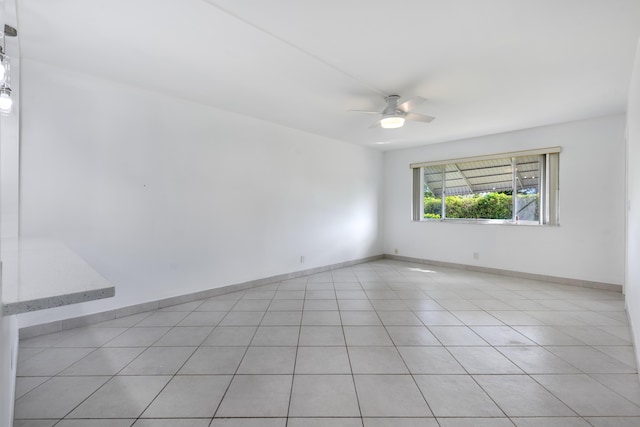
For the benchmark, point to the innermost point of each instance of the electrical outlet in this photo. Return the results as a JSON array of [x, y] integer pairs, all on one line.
[[301, 259], [395, 251], [476, 255]]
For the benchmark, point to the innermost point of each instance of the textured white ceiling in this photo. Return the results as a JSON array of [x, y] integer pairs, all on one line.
[[485, 66]]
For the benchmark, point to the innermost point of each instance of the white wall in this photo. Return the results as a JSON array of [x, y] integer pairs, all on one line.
[[589, 243], [632, 285], [166, 197]]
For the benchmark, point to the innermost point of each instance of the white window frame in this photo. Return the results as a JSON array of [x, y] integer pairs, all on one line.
[[549, 187]]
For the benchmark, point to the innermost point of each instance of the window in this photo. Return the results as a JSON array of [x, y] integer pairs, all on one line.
[[519, 187]]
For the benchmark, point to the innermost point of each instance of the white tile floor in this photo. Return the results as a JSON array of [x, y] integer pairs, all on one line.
[[380, 344]]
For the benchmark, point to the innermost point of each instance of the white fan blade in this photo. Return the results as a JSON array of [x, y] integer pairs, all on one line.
[[419, 117], [364, 111], [411, 103]]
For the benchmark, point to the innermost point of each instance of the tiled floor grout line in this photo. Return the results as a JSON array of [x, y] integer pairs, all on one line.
[[406, 366], [147, 348], [177, 370], [295, 358], [233, 376], [346, 347], [524, 373], [576, 367], [466, 370], [458, 361], [105, 383], [554, 395]]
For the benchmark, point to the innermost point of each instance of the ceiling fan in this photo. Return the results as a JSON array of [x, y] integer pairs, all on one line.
[[395, 114]]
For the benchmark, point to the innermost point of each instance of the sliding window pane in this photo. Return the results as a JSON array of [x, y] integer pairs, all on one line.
[[528, 173], [480, 190], [433, 192]]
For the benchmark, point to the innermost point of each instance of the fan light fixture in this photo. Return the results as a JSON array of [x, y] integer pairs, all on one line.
[[395, 114], [392, 122]]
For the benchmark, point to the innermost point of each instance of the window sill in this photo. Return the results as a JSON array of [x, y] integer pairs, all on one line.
[[488, 222]]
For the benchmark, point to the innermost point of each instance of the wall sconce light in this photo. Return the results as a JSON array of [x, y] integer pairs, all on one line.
[[6, 103], [4, 65]]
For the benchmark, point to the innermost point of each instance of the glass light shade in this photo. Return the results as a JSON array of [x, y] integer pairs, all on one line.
[[392, 122], [3, 71], [6, 103]]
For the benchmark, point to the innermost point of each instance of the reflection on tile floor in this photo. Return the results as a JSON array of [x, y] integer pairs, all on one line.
[[385, 343]]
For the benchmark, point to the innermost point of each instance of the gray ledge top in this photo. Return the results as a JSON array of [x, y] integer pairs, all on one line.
[[43, 273]]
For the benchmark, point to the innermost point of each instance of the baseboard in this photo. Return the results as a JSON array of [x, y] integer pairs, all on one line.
[[510, 273], [76, 322]]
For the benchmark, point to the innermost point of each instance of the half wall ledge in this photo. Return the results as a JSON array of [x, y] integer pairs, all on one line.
[[44, 273]]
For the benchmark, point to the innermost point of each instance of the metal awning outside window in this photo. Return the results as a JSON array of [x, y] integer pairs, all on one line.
[[484, 176]]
